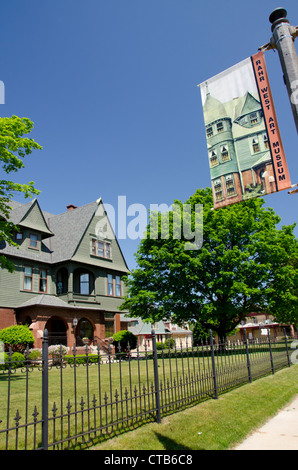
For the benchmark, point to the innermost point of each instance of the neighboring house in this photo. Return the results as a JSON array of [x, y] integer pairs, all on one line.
[[68, 274], [239, 155], [162, 329], [257, 327]]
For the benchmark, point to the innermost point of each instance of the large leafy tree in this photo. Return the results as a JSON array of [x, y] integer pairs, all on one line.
[[14, 146], [245, 264]]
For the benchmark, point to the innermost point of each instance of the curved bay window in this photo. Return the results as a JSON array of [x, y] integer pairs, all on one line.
[[83, 282], [62, 281]]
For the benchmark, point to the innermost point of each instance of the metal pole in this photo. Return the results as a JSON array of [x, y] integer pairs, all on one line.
[[287, 349], [270, 351], [156, 380], [283, 40], [247, 357], [213, 365], [45, 389]]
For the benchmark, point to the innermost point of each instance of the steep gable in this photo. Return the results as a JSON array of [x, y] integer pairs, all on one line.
[[31, 216], [100, 230]]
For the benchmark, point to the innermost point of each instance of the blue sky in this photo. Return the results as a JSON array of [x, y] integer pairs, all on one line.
[[111, 87]]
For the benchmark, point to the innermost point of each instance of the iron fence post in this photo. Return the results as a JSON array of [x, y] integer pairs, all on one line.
[[45, 389], [213, 365], [156, 379], [287, 349], [270, 349], [247, 357]]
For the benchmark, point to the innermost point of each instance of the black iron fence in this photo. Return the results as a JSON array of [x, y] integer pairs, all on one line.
[[71, 401]]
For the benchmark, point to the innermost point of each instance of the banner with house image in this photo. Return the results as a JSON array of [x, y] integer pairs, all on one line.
[[245, 150]]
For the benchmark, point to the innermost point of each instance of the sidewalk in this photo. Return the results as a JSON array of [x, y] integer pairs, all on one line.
[[279, 433]]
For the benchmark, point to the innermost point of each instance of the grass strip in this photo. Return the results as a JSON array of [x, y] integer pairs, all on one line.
[[214, 424]]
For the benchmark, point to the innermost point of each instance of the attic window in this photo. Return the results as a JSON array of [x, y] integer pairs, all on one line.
[[253, 118], [101, 249]]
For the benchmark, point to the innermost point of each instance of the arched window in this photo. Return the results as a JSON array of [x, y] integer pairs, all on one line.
[[83, 282], [85, 329]]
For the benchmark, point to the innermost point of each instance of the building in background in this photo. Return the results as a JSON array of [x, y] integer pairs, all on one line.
[[163, 330]]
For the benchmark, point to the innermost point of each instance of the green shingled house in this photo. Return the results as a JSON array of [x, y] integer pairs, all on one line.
[[239, 155], [68, 274]]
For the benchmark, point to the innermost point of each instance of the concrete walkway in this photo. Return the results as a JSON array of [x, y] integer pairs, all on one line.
[[279, 433]]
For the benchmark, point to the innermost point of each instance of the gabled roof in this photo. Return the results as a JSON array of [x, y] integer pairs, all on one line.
[[64, 232], [30, 216], [246, 104], [69, 228]]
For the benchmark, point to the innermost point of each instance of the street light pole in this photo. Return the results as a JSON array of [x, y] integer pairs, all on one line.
[[283, 40]]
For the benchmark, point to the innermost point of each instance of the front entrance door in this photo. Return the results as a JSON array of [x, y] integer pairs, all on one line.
[[57, 331]]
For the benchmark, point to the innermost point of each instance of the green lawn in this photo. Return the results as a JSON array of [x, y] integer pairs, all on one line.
[[110, 384], [214, 424]]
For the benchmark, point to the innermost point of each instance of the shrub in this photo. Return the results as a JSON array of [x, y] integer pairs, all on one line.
[[124, 337], [82, 358], [18, 337], [57, 351], [170, 343], [15, 361], [35, 355]]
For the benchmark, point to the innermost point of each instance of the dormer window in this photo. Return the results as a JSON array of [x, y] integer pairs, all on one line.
[[19, 236], [101, 249], [33, 241], [253, 119]]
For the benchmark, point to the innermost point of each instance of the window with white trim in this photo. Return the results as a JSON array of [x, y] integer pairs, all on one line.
[[230, 186], [255, 145], [218, 190], [213, 159], [225, 155]]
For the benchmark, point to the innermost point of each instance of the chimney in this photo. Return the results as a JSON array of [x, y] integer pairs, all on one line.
[[71, 207]]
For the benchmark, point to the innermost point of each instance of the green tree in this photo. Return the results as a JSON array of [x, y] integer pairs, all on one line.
[[245, 264], [13, 148]]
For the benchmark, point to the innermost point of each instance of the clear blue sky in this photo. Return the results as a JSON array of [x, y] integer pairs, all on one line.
[[111, 86]]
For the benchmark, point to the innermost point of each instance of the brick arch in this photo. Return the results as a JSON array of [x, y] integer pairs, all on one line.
[[57, 330]]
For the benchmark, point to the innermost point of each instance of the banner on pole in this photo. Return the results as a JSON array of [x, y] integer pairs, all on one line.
[[245, 150]]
